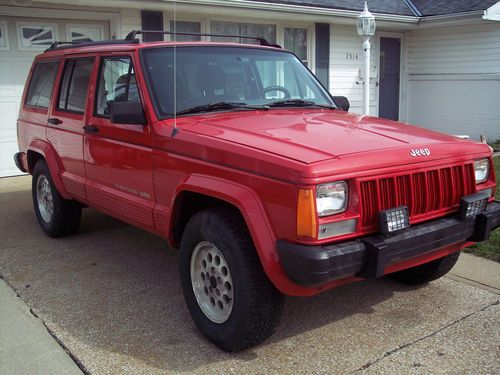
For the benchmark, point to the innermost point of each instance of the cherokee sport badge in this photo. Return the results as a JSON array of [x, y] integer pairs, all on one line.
[[420, 152]]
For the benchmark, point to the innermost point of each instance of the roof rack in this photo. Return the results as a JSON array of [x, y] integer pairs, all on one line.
[[262, 41], [131, 39], [57, 46]]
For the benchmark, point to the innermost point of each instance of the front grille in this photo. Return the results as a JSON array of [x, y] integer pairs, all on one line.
[[423, 192]]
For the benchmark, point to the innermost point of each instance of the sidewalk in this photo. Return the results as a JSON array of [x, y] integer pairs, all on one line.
[[26, 347], [478, 272]]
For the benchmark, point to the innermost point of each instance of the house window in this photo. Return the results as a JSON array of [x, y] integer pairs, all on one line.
[[246, 29], [296, 42], [36, 36], [85, 33], [4, 36], [185, 27]]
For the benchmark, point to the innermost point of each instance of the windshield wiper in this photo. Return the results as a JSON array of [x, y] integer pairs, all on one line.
[[299, 103], [219, 106]]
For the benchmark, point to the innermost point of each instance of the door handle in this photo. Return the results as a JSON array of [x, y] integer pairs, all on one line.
[[54, 121], [90, 129]]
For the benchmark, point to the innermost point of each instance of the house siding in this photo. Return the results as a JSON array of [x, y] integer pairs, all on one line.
[[345, 69], [453, 79], [130, 20]]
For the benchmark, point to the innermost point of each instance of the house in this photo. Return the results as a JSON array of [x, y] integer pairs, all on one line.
[[434, 63]]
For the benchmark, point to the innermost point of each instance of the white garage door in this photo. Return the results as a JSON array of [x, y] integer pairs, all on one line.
[[21, 39]]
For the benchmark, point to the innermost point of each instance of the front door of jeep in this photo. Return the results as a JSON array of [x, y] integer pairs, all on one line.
[[118, 158]]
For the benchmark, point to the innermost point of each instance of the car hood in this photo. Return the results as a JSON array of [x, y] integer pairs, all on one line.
[[310, 136]]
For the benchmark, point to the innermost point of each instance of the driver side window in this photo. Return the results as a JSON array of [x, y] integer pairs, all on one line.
[[116, 83]]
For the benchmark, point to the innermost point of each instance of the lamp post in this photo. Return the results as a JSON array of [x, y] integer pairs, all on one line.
[[366, 29]]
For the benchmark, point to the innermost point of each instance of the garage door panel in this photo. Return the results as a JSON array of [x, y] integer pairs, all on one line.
[[15, 64], [7, 152], [7, 79], [8, 111]]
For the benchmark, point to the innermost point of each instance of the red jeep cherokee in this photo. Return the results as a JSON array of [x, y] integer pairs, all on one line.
[[239, 157]]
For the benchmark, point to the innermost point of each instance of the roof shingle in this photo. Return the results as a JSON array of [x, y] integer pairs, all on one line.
[[375, 6], [440, 7], [399, 7]]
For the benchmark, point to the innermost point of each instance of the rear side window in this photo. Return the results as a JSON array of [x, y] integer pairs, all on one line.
[[74, 85], [40, 88]]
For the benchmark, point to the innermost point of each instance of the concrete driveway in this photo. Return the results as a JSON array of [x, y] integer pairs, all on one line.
[[111, 296]]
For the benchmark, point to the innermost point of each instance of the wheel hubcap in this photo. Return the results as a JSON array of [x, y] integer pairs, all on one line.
[[212, 282], [44, 198]]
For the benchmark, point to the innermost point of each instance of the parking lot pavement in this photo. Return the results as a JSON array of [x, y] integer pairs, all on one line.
[[111, 295]]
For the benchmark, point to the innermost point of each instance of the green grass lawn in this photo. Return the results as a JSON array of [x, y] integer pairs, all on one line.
[[490, 249], [496, 146]]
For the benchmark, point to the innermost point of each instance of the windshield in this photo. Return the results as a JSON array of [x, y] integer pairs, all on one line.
[[237, 75]]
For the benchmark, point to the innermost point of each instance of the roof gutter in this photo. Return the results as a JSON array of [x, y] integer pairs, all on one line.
[[301, 9], [238, 4]]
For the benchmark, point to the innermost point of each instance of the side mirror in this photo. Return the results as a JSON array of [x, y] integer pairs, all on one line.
[[127, 113], [342, 102]]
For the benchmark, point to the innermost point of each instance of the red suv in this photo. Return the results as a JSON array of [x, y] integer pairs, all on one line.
[[240, 158]]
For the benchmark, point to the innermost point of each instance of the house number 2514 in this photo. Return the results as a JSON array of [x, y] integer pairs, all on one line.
[[351, 56]]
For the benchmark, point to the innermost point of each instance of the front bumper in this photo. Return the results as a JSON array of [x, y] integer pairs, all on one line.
[[367, 257], [21, 161]]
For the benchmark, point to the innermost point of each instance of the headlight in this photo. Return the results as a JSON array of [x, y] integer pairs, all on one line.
[[331, 198], [481, 169]]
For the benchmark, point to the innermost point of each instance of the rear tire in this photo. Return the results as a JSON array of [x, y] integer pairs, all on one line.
[[57, 216], [226, 291], [426, 272]]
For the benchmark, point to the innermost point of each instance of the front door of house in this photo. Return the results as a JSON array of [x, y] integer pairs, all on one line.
[[390, 49]]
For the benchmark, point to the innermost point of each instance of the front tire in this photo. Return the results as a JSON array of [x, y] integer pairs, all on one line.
[[428, 271], [57, 216], [226, 291]]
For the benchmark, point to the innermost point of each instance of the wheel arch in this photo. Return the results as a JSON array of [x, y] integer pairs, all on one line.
[[216, 191], [40, 150]]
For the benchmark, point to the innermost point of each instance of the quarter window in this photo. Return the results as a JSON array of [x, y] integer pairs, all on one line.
[[40, 88], [116, 83], [74, 86]]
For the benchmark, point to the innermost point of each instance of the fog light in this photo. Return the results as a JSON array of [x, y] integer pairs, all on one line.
[[473, 204], [337, 228], [393, 219]]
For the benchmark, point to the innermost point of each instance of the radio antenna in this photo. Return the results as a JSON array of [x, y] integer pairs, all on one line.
[[175, 130]]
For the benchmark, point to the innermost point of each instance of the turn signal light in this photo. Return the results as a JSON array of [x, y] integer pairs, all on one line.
[[306, 214]]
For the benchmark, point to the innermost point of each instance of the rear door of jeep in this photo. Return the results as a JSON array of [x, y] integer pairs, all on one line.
[[67, 118]]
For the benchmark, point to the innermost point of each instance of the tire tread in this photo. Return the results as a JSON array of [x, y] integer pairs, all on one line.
[[67, 213], [266, 301], [428, 271]]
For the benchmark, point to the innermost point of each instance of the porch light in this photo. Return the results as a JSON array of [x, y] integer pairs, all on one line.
[[366, 29], [366, 23]]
